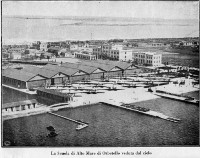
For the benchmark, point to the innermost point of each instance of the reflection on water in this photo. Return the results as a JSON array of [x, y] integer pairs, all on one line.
[[109, 126]]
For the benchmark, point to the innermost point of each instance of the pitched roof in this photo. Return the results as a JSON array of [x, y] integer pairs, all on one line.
[[85, 68], [105, 67], [18, 74], [67, 71], [40, 71]]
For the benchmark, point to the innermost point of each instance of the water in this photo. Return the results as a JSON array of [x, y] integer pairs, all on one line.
[[109, 126], [18, 30]]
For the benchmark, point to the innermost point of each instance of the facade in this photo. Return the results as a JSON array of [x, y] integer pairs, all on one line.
[[157, 45], [73, 46], [106, 49], [54, 95], [85, 55], [125, 55], [43, 46], [148, 58], [114, 53], [19, 106], [97, 51], [22, 79], [117, 47]]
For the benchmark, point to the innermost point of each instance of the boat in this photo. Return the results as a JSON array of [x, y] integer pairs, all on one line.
[[50, 128], [52, 134], [135, 107], [81, 126]]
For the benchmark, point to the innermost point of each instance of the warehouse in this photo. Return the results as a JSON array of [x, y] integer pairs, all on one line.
[[94, 72], [111, 70], [72, 74], [52, 76], [22, 79]]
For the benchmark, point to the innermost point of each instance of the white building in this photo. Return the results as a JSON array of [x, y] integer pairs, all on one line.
[[74, 47], [43, 46], [117, 47], [149, 58], [125, 55], [85, 55]]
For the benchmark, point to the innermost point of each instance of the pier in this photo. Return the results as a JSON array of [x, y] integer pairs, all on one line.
[[78, 122], [178, 98], [81, 124], [150, 113]]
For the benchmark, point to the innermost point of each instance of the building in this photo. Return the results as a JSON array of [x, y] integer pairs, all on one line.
[[22, 79], [19, 106], [85, 55], [97, 51], [114, 54], [93, 72], [54, 95], [74, 47], [125, 55], [53, 76], [157, 44], [117, 47], [43, 46], [70, 74], [147, 58], [106, 49]]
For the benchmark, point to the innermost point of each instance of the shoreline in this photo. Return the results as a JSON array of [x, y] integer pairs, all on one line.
[[47, 109], [123, 96]]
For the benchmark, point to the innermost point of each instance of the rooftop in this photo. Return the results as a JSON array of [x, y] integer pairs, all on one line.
[[14, 104], [20, 75]]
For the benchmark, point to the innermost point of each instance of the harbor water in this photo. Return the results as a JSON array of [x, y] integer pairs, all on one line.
[[108, 126]]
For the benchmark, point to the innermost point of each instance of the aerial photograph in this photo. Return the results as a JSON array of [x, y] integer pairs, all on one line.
[[100, 74]]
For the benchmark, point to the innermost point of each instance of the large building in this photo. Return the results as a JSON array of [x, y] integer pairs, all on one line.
[[147, 58], [125, 55], [85, 55], [30, 77]]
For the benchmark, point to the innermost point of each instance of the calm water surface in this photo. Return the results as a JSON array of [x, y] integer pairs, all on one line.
[[109, 126]]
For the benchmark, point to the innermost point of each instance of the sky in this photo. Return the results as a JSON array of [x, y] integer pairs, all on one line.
[[133, 9]]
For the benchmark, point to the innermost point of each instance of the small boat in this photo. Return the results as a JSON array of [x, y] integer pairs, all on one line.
[[52, 134], [81, 126], [50, 128]]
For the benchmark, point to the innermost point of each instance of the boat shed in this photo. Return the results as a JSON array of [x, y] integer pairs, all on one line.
[[22, 79], [110, 69], [52, 76], [72, 74], [94, 72]]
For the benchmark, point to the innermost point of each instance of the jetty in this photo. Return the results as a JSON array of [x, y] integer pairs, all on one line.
[[146, 112], [81, 124], [185, 99]]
